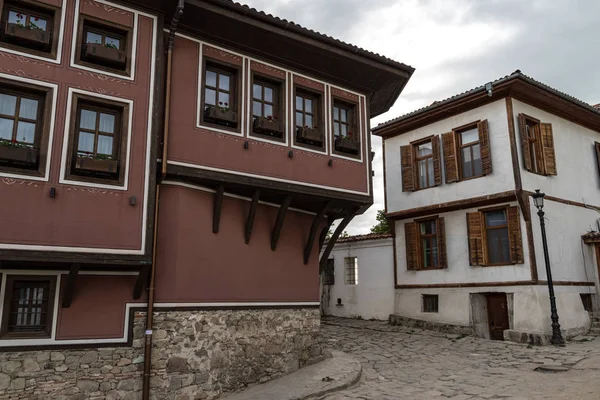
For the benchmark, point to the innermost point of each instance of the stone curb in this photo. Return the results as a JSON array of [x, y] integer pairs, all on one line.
[[307, 383]]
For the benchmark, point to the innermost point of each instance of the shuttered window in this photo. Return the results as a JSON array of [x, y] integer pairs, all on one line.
[[425, 244], [597, 147], [494, 237], [537, 143], [467, 152], [420, 163]]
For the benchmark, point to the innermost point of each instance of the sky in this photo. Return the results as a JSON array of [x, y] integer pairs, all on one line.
[[456, 45]]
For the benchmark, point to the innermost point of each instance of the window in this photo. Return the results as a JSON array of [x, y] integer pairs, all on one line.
[[351, 271], [329, 273], [28, 27], [104, 47], [98, 141], [467, 152], [495, 236], [430, 303], [586, 299], [219, 96], [22, 129], [346, 138], [537, 143], [307, 119], [425, 244], [424, 164], [266, 110], [28, 307]]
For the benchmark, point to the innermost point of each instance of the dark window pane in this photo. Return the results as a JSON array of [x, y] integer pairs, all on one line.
[[336, 113], [37, 22], [308, 121], [211, 78], [430, 172], [467, 163], [344, 115], [495, 218], [6, 128], [299, 103], [422, 166], [308, 106], [268, 110], [268, 94], [210, 97], [498, 245], [8, 104], [299, 121], [224, 82], [428, 227], [477, 163], [336, 129], [257, 91], [92, 37], [17, 18], [112, 42], [257, 108]]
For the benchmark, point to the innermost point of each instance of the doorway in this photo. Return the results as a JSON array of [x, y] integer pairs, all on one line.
[[497, 308]]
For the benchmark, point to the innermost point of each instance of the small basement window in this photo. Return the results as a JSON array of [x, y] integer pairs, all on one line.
[[27, 26], [28, 307], [430, 303], [105, 47]]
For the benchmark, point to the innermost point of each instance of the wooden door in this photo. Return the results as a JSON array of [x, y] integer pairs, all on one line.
[[497, 315]]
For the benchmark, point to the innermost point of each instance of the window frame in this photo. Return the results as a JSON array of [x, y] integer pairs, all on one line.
[[429, 237], [485, 228], [535, 145], [430, 303], [349, 277], [234, 72], [416, 160], [329, 273], [459, 147], [121, 123], [124, 34], [278, 104], [7, 306], [317, 114], [352, 126], [44, 96], [43, 10]]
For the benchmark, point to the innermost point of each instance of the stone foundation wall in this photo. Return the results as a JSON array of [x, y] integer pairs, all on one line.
[[430, 326], [195, 355]]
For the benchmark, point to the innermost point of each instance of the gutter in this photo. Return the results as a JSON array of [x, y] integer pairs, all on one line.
[[150, 309]]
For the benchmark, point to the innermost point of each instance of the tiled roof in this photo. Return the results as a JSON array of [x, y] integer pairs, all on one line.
[[245, 9], [590, 237], [597, 106], [360, 238], [515, 75]]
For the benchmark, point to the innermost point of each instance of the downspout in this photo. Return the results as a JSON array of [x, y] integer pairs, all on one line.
[[150, 310]]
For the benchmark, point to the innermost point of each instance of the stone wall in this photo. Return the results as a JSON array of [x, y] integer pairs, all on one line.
[[430, 326], [195, 355]]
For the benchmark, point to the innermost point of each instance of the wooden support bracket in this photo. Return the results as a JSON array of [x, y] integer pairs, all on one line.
[[70, 287], [251, 215], [141, 282], [313, 230], [338, 231], [279, 223], [217, 205]]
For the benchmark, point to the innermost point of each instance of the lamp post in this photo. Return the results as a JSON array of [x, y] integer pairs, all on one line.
[[557, 339]]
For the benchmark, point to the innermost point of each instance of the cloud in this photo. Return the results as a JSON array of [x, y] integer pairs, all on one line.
[[458, 45]]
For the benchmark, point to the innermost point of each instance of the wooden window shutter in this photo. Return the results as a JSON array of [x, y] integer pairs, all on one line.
[[484, 145], [408, 174], [475, 235], [410, 233], [441, 242], [524, 142], [514, 235], [597, 146], [450, 161], [548, 148], [437, 165]]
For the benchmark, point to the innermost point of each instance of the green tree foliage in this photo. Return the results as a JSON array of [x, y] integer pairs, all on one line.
[[382, 225]]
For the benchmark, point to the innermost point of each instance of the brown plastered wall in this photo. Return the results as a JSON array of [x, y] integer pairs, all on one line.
[[98, 307], [32, 217], [108, 13], [195, 265], [192, 145]]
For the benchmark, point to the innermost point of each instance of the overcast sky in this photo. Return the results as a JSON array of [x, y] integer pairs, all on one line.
[[456, 45]]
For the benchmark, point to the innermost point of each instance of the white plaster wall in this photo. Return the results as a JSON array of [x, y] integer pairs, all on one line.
[[500, 180], [570, 258], [373, 296], [457, 249], [531, 306], [577, 176]]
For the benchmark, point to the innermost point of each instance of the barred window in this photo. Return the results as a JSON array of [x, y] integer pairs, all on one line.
[[329, 273], [430, 303], [351, 271]]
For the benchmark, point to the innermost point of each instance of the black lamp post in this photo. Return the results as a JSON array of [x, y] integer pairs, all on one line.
[[557, 339]]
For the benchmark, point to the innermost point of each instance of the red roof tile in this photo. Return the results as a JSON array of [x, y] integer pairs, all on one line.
[[360, 238]]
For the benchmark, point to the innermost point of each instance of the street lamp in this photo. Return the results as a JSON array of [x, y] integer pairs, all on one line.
[[557, 339]]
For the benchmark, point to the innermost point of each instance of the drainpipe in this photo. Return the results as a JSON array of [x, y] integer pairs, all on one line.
[[150, 310]]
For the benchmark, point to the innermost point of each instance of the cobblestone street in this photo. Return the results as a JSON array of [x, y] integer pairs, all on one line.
[[401, 363]]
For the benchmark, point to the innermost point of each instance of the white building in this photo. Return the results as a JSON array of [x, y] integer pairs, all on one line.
[[359, 279], [459, 177]]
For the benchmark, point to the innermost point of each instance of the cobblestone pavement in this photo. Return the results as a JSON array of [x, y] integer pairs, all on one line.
[[402, 363]]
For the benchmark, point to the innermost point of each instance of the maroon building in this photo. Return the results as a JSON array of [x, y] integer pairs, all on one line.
[[181, 157]]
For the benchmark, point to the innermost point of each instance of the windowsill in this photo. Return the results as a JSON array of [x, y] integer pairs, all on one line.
[[94, 179], [428, 269], [29, 50], [21, 171], [212, 125], [496, 265], [471, 178], [103, 68], [268, 137], [347, 155], [309, 147]]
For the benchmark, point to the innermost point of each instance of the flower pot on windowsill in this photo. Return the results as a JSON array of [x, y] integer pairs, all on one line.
[[99, 52], [96, 165], [25, 155], [309, 136], [346, 145], [268, 126], [219, 115], [19, 32]]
